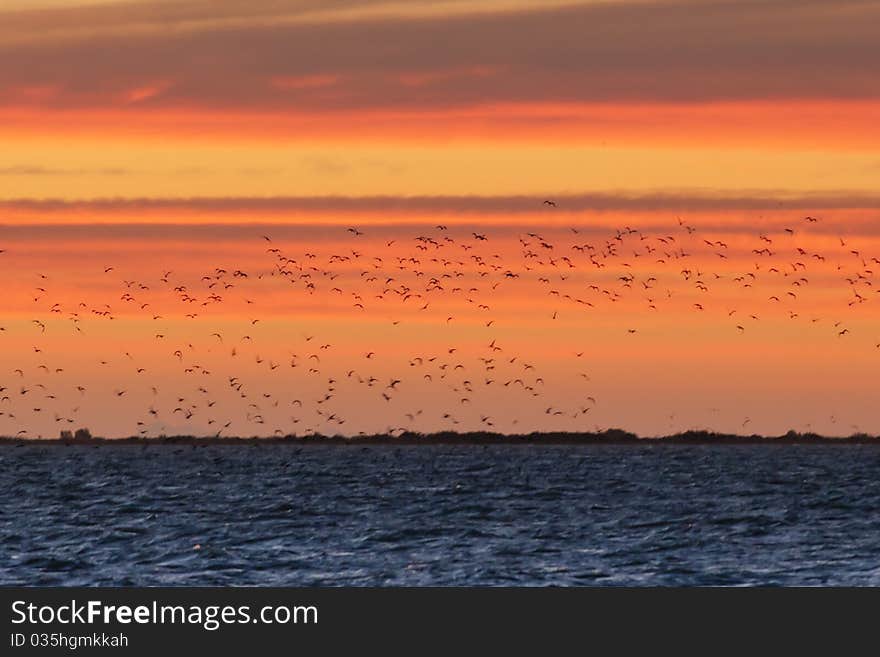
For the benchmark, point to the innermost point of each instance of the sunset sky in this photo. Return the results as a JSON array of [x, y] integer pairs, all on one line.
[[712, 259]]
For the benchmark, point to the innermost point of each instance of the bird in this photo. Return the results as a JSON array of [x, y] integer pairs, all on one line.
[[393, 301]]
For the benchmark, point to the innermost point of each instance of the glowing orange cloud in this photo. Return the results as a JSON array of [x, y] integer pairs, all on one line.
[[844, 125]]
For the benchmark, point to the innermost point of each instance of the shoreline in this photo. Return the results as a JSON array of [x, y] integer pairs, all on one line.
[[609, 437]]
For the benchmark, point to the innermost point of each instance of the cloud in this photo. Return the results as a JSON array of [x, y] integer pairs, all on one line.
[[304, 81], [466, 205], [32, 170], [684, 51]]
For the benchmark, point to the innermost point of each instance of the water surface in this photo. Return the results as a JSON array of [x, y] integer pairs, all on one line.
[[288, 515]]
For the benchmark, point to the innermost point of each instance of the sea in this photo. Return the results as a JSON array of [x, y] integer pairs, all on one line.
[[440, 515]]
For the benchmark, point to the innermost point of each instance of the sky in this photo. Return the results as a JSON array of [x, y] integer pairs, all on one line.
[[254, 217]]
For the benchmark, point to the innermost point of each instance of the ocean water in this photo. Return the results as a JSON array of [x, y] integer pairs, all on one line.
[[289, 515]]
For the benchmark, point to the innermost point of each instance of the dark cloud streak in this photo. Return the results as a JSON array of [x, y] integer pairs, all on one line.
[[469, 205], [630, 52]]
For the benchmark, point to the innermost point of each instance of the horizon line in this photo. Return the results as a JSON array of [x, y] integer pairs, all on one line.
[[606, 436]]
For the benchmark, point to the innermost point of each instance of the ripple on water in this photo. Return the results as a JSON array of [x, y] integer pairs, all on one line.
[[441, 515]]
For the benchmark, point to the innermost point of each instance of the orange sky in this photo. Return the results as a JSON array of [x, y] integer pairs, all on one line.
[[169, 137]]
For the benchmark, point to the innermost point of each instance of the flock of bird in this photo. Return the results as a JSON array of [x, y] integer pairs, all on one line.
[[467, 291]]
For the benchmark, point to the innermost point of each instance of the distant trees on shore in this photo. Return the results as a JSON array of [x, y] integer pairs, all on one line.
[[79, 434]]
